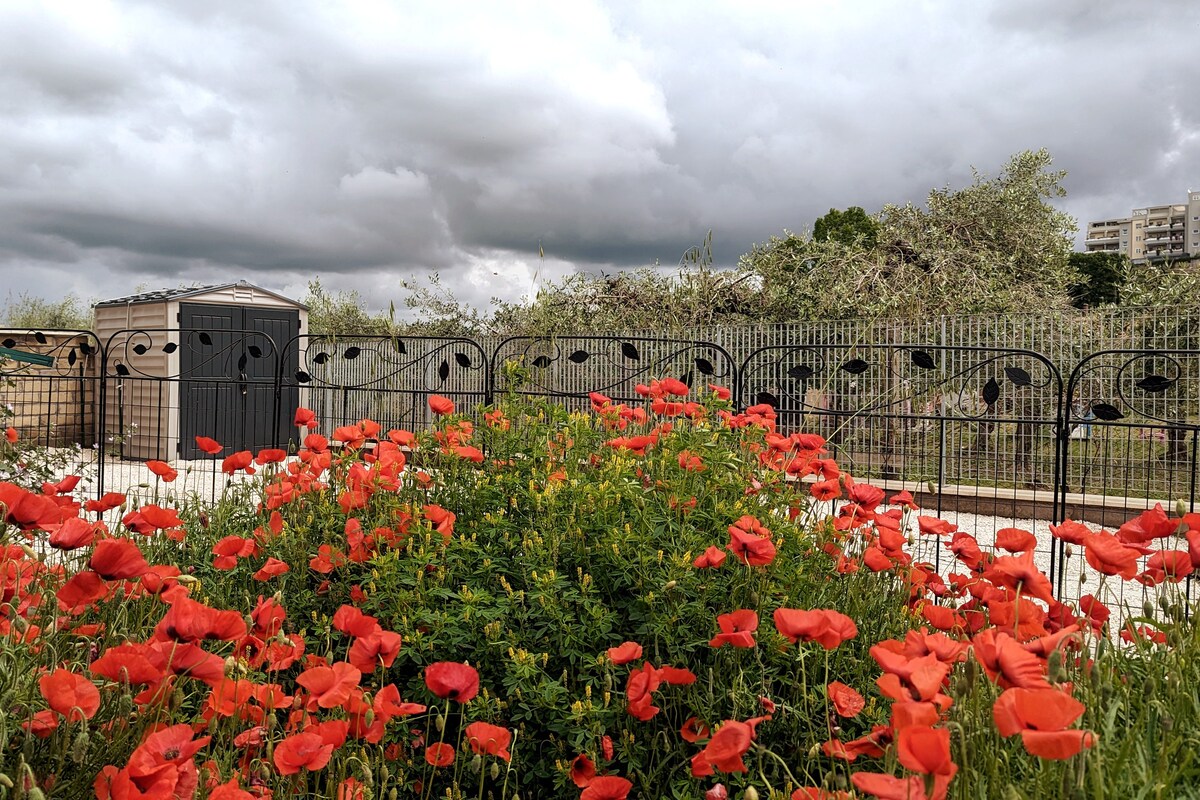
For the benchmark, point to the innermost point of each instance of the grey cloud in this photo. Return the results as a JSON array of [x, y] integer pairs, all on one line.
[[273, 141]]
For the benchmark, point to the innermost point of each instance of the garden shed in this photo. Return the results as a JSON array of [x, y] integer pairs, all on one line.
[[200, 361]]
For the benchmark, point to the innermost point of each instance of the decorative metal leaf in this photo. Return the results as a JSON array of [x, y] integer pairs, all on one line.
[[1018, 376], [351, 353], [399, 346], [122, 370], [40, 337], [85, 348], [463, 360], [320, 358], [541, 362], [1106, 412], [800, 372], [991, 392], [302, 376], [766, 398], [71, 357], [242, 363], [579, 356], [629, 351], [1155, 383], [704, 366], [9, 343], [254, 350], [855, 366], [170, 347], [205, 339], [444, 371], [140, 349], [687, 378], [923, 359]]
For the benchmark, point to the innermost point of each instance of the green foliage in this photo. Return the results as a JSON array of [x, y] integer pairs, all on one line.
[[1169, 284], [342, 312], [850, 227], [994, 246], [1102, 277], [34, 313]]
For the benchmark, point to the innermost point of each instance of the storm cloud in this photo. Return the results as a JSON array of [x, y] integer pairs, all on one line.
[[164, 143]]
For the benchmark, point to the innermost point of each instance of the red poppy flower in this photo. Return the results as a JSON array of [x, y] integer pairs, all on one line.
[[73, 696], [712, 557], [847, 702], [694, 729], [721, 392], [190, 621], [1015, 540], [624, 653], [272, 568], [1007, 662], [439, 754], [450, 679], [826, 490], [441, 406], [28, 510], [210, 446], [162, 469], [489, 740], [755, 551], [377, 649], [11, 435], [583, 771], [330, 686], [1020, 573], [934, 526], [127, 663], [239, 460], [925, 750], [826, 627], [270, 455], [230, 790], [170, 746], [113, 559], [889, 787], [74, 533], [109, 501], [1166, 565], [725, 749], [606, 747], [1108, 555], [737, 629], [304, 750], [1042, 717], [305, 417], [607, 787]]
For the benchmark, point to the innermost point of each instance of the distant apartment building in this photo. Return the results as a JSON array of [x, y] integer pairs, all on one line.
[[1170, 231]]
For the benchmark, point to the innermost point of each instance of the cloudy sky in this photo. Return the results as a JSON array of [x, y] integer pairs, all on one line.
[[169, 142]]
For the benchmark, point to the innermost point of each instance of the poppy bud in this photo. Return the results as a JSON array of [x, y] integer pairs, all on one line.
[[1148, 608], [476, 763], [1013, 793], [1164, 605], [750, 794], [1166, 722], [392, 794], [1181, 507], [1054, 664], [971, 672], [494, 770], [753, 598], [34, 793], [670, 585], [368, 776], [1068, 551], [439, 722], [6, 781], [385, 774]]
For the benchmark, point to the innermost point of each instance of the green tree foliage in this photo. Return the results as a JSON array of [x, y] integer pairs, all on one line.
[[1102, 276], [850, 227], [1161, 283], [994, 246], [336, 313], [33, 313]]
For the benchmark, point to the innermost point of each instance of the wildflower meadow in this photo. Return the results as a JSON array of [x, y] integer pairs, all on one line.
[[671, 599]]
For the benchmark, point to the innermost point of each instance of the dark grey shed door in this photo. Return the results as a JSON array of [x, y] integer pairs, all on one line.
[[229, 359]]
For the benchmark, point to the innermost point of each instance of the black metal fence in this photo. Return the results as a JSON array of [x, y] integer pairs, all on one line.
[[997, 432]]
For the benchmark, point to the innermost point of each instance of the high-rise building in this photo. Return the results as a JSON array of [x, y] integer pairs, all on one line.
[[1168, 231]]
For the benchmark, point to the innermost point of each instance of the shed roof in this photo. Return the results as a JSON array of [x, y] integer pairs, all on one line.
[[162, 295]]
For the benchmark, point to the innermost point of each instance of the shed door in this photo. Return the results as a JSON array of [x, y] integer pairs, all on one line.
[[228, 376]]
